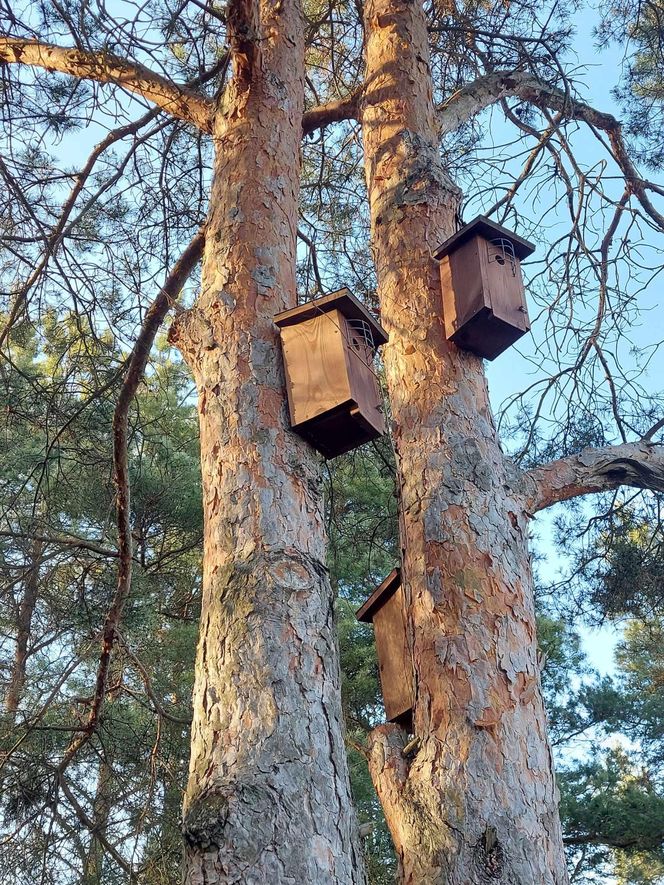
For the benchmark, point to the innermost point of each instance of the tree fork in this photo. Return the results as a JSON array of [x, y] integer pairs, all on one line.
[[477, 801]]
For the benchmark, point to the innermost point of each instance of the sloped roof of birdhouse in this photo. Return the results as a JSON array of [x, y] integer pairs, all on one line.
[[483, 227], [344, 301], [379, 597]]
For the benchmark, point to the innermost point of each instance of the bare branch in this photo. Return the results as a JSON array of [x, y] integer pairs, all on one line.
[[544, 96], [180, 101], [149, 690], [640, 465], [613, 841], [138, 360], [55, 237], [63, 541], [314, 258], [91, 826], [474, 97]]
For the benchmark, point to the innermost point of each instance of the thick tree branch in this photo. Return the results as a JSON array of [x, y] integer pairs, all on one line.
[[333, 112], [491, 88], [137, 362], [640, 465], [648, 435], [485, 91], [472, 98], [180, 101]]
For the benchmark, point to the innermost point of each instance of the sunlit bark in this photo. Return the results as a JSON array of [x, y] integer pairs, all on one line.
[[640, 465], [104, 67], [476, 802], [268, 796]]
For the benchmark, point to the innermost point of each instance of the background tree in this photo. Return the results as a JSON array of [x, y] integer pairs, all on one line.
[[125, 789], [641, 88], [605, 731]]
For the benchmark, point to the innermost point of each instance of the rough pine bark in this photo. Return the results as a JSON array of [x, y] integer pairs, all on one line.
[[476, 803], [268, 797], [26, 610]]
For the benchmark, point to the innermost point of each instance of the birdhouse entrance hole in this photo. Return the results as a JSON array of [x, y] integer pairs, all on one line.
[[502, 251]]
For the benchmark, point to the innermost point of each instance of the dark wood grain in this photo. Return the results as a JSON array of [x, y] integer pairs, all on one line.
[[316, 367], [385, 609]]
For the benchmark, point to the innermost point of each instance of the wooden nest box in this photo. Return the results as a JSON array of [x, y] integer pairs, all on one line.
[[385, 610], [484, 305], [333, 393]]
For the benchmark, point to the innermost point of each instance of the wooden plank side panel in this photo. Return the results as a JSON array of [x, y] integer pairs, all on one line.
[[505, 290], [449, 301], [315, 364], [396, 671], [462, 285]]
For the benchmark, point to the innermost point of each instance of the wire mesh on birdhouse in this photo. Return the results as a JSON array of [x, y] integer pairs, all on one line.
[[361, 339], [385, 610], [484, 306], [333, 393]]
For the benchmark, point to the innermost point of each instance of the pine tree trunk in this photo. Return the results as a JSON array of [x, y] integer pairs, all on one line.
[[26, 611], [268, 797], [477, 802], [93, 868]]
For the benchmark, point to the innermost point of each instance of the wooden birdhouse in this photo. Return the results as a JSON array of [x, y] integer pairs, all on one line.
[[333, 393], [484, 305], [385, 610]]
